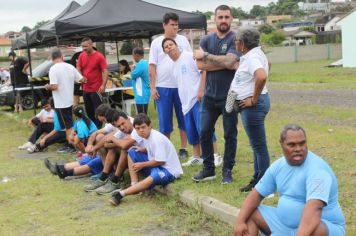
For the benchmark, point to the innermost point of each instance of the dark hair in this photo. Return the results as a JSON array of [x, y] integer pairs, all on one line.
[[56, 53], [138, 51], [51, 101], [86, 39], [101, 110], [141, 118], [109, 115], [44, 102], [12, 54], [170, 16], [79, 112], [223, 8], [167, 39], [117, 115], [126, 64], [288, 127]]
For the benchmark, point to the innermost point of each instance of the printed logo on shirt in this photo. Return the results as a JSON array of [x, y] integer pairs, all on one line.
[[183, 69], [223, 49]]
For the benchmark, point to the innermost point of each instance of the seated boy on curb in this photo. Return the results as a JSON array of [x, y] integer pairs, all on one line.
[[117, 145], [42, 123], [157, 159]]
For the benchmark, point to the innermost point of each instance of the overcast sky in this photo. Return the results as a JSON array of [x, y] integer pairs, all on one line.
[[14, 14]]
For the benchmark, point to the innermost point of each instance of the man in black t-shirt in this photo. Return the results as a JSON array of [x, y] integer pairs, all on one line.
[[18, 74]]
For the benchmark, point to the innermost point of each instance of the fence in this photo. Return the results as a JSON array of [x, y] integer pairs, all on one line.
[[304, 53]]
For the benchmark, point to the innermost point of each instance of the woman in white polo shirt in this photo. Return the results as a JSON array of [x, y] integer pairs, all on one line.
[[250, 85]]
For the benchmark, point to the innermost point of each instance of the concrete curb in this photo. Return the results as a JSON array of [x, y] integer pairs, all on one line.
[[211, 206]]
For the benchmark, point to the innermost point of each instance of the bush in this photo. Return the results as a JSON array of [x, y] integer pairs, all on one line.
[[273, 39]]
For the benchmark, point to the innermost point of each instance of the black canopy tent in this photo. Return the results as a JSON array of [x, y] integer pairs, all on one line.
[[45, 35], [111, 20], [41, 37]]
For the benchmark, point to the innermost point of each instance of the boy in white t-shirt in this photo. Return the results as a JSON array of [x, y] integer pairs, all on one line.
[[157, 159], [42, 122], [191, 86]]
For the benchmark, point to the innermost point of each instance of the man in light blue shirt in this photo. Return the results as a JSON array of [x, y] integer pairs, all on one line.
[[308, 194]]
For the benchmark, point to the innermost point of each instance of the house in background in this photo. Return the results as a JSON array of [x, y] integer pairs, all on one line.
[[298, 37], [252, 22], [292, 26], [5, 47], [348, 33], [327, 23]]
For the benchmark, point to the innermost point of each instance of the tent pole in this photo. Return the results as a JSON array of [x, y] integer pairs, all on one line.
[[57, 41], [117, 50], [30, 65]]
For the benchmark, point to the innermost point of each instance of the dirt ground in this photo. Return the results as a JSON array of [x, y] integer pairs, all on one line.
[[291, 94]]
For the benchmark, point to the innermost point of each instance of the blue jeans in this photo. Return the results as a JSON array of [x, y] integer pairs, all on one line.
[[253, 120], [210, 111]]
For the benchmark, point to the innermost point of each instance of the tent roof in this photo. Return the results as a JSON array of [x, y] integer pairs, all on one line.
[[122, 19], [44, 33]]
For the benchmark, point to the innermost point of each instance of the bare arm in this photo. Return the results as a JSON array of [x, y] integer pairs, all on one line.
[[105, 79], [216, 62], [260, 81], [124, 143], [51, 87], [202, 85], [140, 165], [24, 69], [311, 217], [152, 74], [250, 204]]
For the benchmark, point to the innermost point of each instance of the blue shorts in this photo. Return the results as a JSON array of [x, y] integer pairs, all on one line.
[[160, 175], [192, 125], [277, 228], [95, 164], [169, 98]]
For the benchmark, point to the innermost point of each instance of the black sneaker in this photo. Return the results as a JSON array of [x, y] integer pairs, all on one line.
[[115, 199], [61, 172], [183, 153], [204, 175], [52, 168], [249, 186], [226, 176]]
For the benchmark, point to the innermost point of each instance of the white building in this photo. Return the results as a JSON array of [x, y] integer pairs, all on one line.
[[348, 33], [251, 22]]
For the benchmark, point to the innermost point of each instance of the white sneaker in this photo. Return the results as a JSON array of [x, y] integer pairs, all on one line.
[[25, 146], [193, 161], [217, 159], [32, 149]]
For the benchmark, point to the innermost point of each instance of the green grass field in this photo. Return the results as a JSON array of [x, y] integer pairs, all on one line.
[[35, 203]]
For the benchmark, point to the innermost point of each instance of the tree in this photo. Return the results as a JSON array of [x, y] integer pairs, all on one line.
[[25, 29], [239, 13], [40, 23], [207, 14], [258, 11]]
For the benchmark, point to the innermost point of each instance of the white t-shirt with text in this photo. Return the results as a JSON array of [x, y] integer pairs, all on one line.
[[187, 74]]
